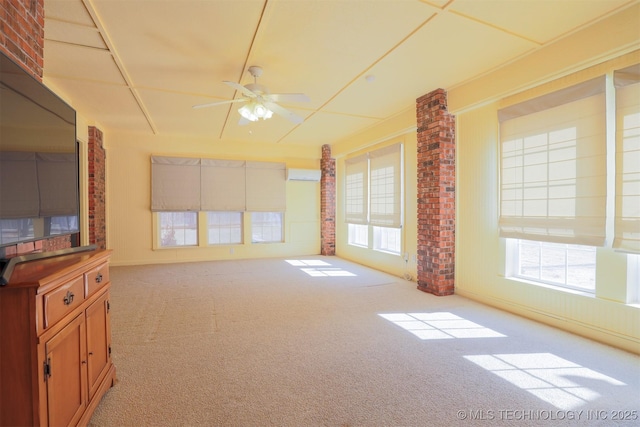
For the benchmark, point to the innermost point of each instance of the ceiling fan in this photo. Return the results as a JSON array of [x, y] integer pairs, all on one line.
[[258, 102]]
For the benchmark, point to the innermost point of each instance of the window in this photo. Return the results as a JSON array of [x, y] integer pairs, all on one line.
[[387, 239], [571, 266], [178, 228], [224, 228], [266, 227], [63, 224], [373, 199], [554, 181], [185, 189], [13, 230], [358, 235]]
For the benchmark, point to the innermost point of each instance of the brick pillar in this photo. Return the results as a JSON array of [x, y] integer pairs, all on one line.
[[327, 203], [22, 33], [436, 194], [97, 178]]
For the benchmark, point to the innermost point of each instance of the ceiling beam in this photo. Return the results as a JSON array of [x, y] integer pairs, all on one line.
[[88, 4]]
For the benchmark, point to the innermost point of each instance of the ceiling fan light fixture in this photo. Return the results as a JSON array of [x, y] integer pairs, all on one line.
[[254, 111], [247, 112]]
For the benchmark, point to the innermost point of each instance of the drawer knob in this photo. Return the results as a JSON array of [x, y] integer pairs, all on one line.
[[68, 299], [99, 278]]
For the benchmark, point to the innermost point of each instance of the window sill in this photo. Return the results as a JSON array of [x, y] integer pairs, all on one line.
[[553, 287], [387, 252]]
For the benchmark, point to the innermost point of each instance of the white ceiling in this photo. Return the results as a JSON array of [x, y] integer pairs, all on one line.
[[140, 65]]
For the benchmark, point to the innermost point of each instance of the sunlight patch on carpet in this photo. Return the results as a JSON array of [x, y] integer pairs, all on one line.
[[319, 268], [439, 325], [548, 377]]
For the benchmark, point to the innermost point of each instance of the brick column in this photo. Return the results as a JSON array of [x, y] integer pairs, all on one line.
[[436, 194], [327, 203], [97, 178], [22, 33]]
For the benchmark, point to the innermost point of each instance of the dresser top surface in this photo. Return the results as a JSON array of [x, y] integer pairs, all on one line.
[[38, 272]]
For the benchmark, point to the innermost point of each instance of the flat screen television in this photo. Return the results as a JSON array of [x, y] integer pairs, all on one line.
[[38, 161]]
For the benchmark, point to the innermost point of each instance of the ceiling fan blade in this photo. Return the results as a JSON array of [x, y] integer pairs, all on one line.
[[289, 97], [284, 112], [211, 104], [241, 88]]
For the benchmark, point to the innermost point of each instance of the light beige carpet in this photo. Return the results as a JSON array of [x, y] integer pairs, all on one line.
[[319, 341]]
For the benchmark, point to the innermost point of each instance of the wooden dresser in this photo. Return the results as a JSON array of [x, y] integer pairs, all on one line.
[[55, 340]]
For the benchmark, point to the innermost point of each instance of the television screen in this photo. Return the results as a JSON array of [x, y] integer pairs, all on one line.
[[38, 159]]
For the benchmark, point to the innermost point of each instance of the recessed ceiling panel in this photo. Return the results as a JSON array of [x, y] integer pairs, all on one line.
[[540, 21], [187, 47], [449, 50], [328, 128], [318, 47], [172, 114], [79, 35], [111, 105], [70, 11], [82, 63]]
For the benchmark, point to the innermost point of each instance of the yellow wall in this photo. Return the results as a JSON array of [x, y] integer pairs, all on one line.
[[130, 222]]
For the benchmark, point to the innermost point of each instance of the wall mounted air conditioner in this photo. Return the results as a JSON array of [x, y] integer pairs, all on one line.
[[303, 175]]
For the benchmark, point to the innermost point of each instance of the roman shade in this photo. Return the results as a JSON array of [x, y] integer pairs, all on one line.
[[627, 216], [385, 183], [188, 184], [356, 189], [553, 166], [22, 200], [58, 184], [223, 185], [175, 184]]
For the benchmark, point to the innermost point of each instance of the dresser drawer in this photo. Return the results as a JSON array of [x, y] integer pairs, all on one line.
[[63, 300], [96, 278]]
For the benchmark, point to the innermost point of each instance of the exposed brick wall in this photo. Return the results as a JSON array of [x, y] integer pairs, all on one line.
[[22, 33], [436, 194], [22, 39], [327, 203], [97, 179]]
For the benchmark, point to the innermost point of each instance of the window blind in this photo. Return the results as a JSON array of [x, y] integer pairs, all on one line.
[[266, 187], [175, 184], [58, 184], [22, 199], [385, 180], [627, 217], [223, 185], [186, 184], [553, 167], [356, 189]]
